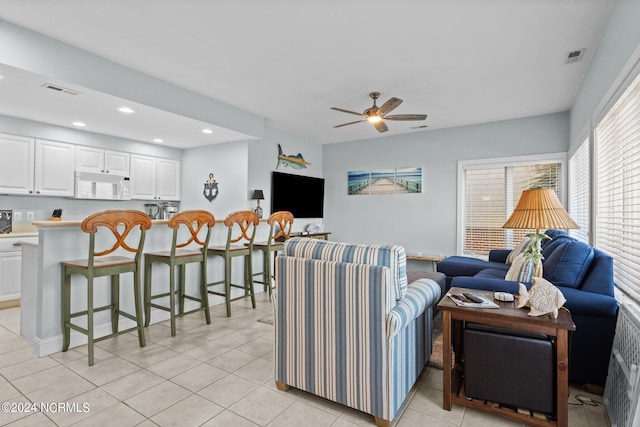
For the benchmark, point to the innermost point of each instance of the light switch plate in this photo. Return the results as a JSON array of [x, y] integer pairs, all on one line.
[[29, 216]]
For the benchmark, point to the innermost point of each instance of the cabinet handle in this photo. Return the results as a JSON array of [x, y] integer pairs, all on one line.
[[17, 244], [30, 191], [101, 170], [37, 192]]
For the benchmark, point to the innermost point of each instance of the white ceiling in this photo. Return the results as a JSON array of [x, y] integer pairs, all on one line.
[[461, 62]]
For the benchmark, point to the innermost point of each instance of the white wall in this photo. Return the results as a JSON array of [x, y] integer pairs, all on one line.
[[424, 222], [620, 38]]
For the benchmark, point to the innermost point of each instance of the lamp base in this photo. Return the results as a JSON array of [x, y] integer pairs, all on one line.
[[258, 211]]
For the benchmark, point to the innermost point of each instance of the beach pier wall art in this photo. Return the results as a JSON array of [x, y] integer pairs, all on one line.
[[385, 181]]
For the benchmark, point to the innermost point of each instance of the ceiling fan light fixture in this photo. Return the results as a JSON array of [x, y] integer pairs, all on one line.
[[374, 119]]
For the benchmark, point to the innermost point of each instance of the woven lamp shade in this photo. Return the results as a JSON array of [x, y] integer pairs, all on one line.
[[539, 209]]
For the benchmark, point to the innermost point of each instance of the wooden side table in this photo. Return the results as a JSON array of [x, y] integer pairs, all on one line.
[[507, 316], [431, 258]]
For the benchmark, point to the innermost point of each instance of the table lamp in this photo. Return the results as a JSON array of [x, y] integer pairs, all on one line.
[[258, 195], [539, 209]]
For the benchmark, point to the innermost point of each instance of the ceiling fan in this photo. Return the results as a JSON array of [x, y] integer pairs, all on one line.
[[375, 115]]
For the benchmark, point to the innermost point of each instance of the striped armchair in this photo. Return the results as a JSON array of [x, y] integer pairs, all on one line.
[[348, 326]]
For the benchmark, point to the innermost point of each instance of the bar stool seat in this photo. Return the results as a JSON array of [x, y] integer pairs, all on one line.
[[121, 223], [280, 228], [244, 223], [192, 250]]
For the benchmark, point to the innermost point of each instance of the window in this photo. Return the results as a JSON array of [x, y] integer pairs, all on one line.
[[617, 220], [490, 191], [579, 190]]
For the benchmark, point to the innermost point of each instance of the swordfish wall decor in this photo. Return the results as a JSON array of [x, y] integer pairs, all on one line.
[[385, 181], [296, 162]]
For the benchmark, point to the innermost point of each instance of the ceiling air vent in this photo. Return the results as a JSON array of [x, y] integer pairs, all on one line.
[[574, 56], [61, 89]]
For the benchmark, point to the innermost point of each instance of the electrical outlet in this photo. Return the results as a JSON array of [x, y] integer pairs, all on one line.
[[17, 216], [29, 216]]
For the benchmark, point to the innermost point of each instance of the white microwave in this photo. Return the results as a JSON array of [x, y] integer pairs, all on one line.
[[102, 186]]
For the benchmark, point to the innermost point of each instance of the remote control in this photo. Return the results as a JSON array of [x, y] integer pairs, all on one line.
[[459, 297], [472, 297]]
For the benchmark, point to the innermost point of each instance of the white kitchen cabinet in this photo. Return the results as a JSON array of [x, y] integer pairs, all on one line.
[[54, 168], [11, 268], [97, 160], [154, 178], [16, 164]]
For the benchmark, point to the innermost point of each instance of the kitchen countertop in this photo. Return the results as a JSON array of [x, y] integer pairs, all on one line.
[[21, 230]]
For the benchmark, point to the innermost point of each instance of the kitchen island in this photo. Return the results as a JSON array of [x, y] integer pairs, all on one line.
[[41, 310]]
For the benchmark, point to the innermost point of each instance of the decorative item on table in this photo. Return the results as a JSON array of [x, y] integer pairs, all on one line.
[[210, 188], [56, 215], [543, 298], [538, 209], [6, 221], [258, 195], [314, 227]]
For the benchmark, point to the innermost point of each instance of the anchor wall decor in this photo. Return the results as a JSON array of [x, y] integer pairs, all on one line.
[[210, 188]]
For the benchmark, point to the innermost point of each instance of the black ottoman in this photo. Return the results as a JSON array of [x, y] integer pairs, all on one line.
[[439, 278]]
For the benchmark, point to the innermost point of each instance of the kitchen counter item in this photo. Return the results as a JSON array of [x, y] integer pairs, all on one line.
[[6, 221]]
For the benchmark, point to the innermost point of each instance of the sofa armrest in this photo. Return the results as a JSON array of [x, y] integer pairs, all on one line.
[[486, 284], [422, 293], [499, 255]]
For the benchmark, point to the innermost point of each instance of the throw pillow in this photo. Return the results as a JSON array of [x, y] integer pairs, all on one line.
[[521, 270], [543, 298], [517, 250]]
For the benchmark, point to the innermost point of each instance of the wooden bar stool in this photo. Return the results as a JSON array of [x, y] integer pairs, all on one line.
[[120, 223], [180, 255], [246, 222], [280, 223]]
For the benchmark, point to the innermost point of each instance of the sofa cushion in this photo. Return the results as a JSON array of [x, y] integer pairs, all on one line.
[[492, 273], [393, 257], [467, 266], [568, 263], [518, 250], [589, 304], [521, 270]]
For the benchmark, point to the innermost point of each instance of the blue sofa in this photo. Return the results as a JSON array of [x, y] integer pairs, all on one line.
[[584, 275]]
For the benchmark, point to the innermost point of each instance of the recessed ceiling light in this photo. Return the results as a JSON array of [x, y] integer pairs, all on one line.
[[79, 124], [207, 131], [126, 110], [157, 140]]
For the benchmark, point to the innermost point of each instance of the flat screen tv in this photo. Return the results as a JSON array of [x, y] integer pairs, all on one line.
[[303, 196]]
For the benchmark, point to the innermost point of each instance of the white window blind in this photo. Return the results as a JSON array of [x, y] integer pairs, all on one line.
[[490, 195], [617, 227], [579, 190]]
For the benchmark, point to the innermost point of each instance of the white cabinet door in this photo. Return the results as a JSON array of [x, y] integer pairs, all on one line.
[[89, 159], [55, 165], [143, 177], [16, 165], [97, 160], [10, 272], [116, 162], [168, 179]]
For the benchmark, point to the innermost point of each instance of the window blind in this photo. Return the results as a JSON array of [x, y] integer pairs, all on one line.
[[491, 194], [617, 227], [579, 190]]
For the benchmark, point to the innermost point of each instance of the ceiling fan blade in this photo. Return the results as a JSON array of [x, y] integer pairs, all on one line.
[[388, 106], [346, 111], [406, 117], [350, 123], [380, 126]]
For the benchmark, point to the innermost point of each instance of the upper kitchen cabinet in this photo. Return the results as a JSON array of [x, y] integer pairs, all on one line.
[[90, 159], [16, 164], [39, 167], [154, 178], [54, 168]]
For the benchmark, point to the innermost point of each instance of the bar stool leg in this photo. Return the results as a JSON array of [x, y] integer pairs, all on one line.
[[267, 272], [227, 283], [115, 302], [66, 309], [147, 291], [204, 295], [172, 298], [181, 285], [248, 279], [138, 303], [90, 318]]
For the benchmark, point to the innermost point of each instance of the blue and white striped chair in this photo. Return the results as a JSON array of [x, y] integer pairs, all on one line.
[[348, 326]]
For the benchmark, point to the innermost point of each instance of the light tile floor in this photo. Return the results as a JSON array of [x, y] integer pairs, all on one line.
[[208, 375]]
